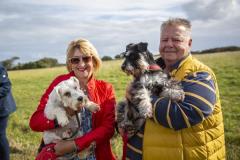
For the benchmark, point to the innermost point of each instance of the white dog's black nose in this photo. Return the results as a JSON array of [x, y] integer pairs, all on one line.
[[80, 98]]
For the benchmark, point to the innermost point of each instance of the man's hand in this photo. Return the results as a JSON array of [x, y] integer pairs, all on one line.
[[63, 146]]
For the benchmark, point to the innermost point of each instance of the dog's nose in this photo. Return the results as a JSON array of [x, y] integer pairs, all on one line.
[[80, 98]]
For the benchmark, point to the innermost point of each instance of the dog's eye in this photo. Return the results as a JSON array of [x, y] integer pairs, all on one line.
[[67, 94], [75, 87]]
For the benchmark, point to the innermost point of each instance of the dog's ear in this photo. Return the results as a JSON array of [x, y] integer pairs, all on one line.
[[75, 80], [122, 55], [129, 46], [58, 92], [142, 46]]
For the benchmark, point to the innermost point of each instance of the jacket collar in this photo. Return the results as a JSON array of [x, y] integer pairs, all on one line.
[[176, 66], [179, 64], [91, 83]]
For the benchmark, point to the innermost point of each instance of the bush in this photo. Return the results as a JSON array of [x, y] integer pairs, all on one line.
[[42, 63], [106, 58], [8, 63], [118, 56]]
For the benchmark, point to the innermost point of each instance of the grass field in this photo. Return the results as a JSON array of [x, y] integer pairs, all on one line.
[[29, 85]]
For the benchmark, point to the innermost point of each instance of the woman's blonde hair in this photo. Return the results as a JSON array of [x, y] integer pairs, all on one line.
[[86, 48]]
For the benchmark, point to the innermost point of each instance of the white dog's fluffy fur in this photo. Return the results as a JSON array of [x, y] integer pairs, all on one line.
[[65, 94]]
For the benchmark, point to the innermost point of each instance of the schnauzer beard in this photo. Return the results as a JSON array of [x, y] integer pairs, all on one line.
[[136, 70]]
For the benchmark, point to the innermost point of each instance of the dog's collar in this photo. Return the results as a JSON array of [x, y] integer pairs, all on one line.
[[153, 67]]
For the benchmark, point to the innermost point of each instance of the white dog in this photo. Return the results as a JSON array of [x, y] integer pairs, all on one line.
[[66, 94]]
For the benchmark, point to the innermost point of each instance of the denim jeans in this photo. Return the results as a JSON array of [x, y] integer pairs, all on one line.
[[4, 146]]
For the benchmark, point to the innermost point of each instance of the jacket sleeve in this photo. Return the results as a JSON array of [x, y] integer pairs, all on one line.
[[5, 84], [105, 130], [38, 121], [200, 98]]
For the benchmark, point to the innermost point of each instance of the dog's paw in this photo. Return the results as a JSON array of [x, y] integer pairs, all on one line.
[[149, 113], [63, 121], [131, 133], [174, 91], [120, 117], [181, 95], [145, 109], [121, 111], [93, 107], [121, 107], [50, 136], [50, 116], [177, 95], [130, 129]]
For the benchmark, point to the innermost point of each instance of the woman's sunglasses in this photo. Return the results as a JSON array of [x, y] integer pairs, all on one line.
[[76, 60]]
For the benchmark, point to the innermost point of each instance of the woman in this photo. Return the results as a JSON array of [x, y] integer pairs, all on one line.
[[82, 62]]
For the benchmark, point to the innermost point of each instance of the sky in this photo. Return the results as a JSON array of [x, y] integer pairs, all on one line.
[[33, 29]]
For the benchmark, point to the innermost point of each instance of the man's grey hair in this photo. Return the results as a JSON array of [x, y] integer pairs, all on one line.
[[177, 22]]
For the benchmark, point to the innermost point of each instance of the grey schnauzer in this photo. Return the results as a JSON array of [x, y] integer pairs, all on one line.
[[148, 79]]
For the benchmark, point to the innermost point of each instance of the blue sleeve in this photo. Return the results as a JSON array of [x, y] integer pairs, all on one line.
[[5, 84], [199, 101]]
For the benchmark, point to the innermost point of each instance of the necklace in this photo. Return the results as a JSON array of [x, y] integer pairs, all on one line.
[[84, 90]]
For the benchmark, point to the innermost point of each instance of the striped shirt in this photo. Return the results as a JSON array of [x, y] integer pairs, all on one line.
[[200, 97], [134, 146]]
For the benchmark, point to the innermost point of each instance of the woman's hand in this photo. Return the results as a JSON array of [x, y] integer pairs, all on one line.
[[63, 146]]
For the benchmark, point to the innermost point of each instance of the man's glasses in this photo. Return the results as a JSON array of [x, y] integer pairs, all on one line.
[[76, 60]]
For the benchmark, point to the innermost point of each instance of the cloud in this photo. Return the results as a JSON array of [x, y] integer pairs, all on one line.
[[215, 23], [210, 9], [37, 29]]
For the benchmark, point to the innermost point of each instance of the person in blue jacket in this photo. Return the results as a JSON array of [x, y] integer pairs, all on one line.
[[7, 106]]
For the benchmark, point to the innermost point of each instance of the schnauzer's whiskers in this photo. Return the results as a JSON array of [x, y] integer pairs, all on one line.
[[128, 69], [143, 63]]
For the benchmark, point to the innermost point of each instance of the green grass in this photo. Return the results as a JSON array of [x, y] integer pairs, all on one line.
[[29, 85]]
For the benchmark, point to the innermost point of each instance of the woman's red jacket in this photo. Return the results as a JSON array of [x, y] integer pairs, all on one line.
[[99, 92]]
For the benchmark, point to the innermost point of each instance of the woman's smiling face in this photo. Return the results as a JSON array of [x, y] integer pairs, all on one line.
[[82, 65]]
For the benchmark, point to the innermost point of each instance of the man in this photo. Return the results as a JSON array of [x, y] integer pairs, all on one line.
[[7, 106], [189, 129]]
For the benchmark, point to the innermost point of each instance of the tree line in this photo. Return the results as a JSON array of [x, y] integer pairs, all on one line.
[[41, 63], [52, 62], [219, 49]]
